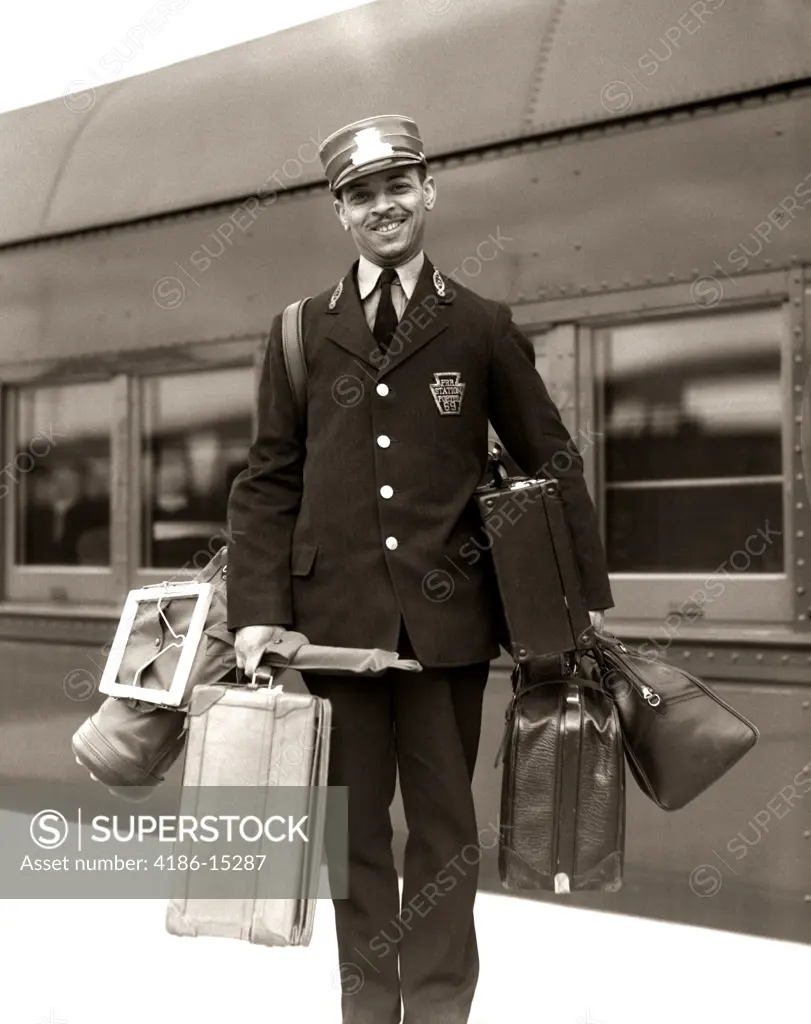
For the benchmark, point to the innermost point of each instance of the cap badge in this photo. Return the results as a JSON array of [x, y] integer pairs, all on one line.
[[370, 146], [448, 390], [336, 294], [439, 284]]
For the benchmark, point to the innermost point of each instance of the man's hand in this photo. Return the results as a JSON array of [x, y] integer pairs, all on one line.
[[250, 644], [597, 620]]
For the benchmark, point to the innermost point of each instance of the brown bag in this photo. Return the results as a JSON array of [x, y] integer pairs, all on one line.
[[563, 785], [535, 566], [680, 737], [246, 736]]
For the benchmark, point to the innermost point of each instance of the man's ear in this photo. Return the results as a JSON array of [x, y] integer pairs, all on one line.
[[339, 209], [429, 192]]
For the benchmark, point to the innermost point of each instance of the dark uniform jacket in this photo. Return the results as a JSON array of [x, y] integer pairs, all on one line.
[[315, 544]]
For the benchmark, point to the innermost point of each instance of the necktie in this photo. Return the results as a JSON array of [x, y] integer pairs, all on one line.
[[386, 319]]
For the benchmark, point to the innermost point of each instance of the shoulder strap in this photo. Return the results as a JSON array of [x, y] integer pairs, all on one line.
[[293, 348]]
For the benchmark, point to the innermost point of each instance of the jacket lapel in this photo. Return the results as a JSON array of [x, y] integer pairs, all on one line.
[[425, 316]]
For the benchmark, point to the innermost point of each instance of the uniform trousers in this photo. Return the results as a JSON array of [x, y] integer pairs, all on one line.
[[428, 726]]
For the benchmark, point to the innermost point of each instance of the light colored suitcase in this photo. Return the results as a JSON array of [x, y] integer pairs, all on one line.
[[242, 736]]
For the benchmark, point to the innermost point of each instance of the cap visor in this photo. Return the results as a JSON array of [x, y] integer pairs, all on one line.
[[389, 163]]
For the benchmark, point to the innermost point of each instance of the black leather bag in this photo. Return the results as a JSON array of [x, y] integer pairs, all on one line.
[[563, 784], [680, 737], [535, 565]]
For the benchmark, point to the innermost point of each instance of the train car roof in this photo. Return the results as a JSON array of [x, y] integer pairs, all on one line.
[[247, 119]]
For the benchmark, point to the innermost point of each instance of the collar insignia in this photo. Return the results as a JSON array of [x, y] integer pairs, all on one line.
[[336, 294], [439, 284], [448, 390]]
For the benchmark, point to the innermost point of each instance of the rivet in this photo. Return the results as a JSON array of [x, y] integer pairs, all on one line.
[[799, 505], [801, 533], [800, 561], [798, 359], [807, 898], [785, 659], [798, 388], [157, 641], [686, 654], [758, 657], [734, 656], [806, 834], [798, 330], [806, 705], [798, 448], [800, 590]]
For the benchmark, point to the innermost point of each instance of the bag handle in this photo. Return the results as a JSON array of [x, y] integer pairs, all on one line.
[[496, 466], [293, 349]]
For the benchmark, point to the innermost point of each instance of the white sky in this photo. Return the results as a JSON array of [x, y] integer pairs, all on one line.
[[53, 47]]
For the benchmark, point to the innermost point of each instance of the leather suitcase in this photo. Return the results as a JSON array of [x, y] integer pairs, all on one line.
[[563, 786], [240, 736], [535, 566]]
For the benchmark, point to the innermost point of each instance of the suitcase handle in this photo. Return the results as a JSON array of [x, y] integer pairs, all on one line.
[[499, 471], [266, 673]]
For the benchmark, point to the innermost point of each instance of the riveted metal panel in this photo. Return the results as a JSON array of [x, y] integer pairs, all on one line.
[[250, 117], [577, 220], [630, 57], [800, 522], [800, 314]]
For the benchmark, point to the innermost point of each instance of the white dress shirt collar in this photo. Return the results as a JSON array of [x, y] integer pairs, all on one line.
[[408, 275]]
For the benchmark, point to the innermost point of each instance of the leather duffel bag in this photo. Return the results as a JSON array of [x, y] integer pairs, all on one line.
[[562, 822], [680, 736]]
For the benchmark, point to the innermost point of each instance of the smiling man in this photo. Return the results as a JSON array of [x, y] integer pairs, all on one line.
[[349, 528]]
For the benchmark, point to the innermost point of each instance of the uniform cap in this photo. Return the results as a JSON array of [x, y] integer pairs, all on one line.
[[371, 145]]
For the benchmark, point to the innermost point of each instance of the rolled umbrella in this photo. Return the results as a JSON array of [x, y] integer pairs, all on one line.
[[129, 745]]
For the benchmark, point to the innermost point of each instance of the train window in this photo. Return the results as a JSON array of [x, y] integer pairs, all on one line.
[[60, 476], [693, 459], [196, 429]]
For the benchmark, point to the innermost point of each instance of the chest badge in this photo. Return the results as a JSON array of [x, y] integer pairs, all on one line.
[[448, 389]]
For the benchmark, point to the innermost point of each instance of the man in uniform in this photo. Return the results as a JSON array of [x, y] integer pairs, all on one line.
[[350, 528]]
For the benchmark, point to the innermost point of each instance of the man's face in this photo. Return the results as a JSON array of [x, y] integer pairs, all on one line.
[[66, 486], [385, 214]]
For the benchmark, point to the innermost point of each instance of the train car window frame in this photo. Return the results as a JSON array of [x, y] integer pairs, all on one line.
[[140, 575], [89, 591], [59, 586], [765, 598]]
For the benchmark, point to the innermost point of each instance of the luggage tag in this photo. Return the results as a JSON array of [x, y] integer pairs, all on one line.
[[187, 643]]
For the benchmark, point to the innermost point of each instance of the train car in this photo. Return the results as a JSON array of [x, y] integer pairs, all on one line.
[[634, 180]]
